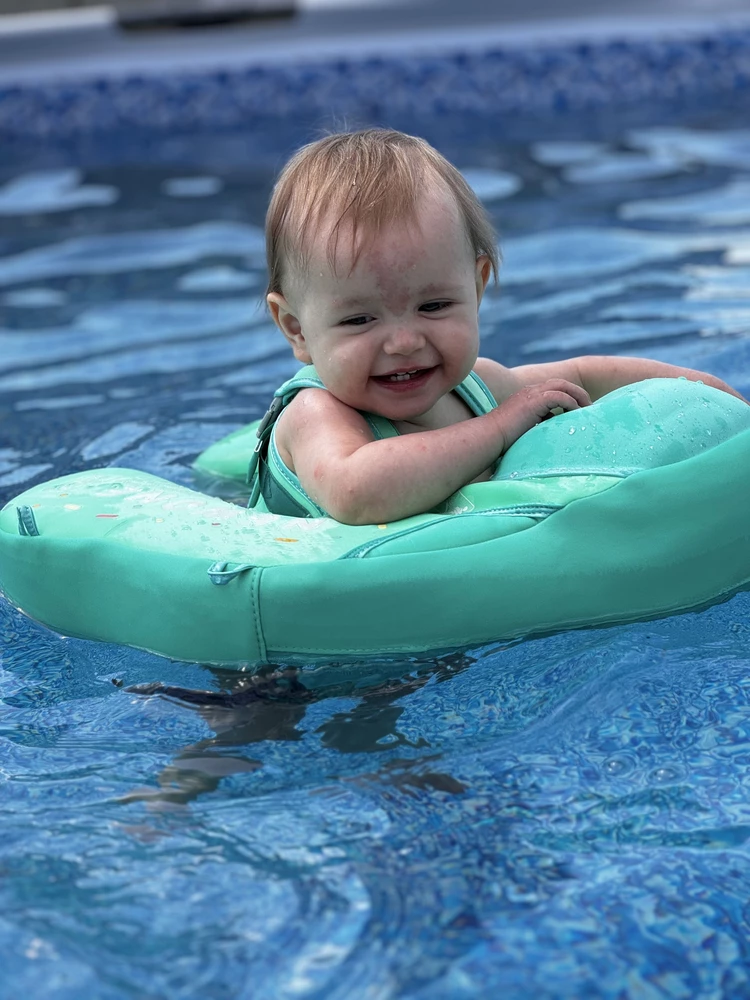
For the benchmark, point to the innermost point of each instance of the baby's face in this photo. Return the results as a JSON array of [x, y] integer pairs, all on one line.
[[398, 330]]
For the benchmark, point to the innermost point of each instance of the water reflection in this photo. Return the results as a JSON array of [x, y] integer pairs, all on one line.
[[249, 709]]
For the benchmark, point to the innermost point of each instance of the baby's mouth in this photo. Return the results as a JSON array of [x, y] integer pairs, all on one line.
[[405, 376]]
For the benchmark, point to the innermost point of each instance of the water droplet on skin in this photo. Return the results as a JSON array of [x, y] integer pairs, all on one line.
[[572, 430], [514, 475]]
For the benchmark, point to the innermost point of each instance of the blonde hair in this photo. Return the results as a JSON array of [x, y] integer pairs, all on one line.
[[370, 179]]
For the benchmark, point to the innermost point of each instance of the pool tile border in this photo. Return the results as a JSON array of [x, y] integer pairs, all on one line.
[[498, 81]]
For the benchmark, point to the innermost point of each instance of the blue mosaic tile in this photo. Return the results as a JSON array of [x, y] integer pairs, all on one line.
[[569, 77]]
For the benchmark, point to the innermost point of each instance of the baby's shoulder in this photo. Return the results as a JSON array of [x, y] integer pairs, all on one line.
[[501, 381], [314, 413], [318, 403]]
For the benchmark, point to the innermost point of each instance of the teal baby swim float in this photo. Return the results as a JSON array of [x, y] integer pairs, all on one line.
[[632, 508]]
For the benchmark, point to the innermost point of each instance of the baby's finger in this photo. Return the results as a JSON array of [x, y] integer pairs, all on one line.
[[579, 394], [557, 399], [571, 389]]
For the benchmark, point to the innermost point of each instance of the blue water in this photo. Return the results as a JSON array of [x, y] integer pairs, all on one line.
[[564, 817]]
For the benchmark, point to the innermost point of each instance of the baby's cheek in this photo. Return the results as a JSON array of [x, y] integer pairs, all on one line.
[[344, 364]]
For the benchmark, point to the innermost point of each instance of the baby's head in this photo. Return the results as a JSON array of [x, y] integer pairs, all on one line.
[[361, 182], [378, 255]]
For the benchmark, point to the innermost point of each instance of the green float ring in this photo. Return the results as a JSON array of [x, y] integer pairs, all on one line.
[[633, 508]]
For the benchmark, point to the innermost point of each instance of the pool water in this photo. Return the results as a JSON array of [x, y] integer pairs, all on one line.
[[563, 817]]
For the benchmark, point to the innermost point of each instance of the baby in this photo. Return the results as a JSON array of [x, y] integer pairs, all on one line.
[[379, 254]]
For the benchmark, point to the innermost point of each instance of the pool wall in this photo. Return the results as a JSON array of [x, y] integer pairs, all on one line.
[[519, 75]]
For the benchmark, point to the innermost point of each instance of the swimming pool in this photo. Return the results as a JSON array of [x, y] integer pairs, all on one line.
[[566, 817]]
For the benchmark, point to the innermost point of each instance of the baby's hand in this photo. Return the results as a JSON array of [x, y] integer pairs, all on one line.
[[534, 403]]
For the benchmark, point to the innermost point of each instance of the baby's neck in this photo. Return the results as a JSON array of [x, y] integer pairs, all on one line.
[[449, 409]]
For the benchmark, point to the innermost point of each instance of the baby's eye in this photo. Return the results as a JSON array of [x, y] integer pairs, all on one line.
[[356, 321], [432, 307]]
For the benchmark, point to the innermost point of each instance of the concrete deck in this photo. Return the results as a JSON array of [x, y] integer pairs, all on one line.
[[87, 41]]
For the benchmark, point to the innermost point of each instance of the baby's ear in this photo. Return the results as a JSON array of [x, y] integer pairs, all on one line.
[[289, 325], [483, 272]]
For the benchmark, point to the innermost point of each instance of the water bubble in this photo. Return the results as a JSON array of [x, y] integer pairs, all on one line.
[[663, 774], [572, 430], [618, 765], [514, 475]]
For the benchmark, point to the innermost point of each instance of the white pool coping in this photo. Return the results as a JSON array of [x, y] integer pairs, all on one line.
[[51, 56]]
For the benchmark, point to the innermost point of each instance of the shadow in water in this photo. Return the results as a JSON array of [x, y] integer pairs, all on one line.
[[254, 708]]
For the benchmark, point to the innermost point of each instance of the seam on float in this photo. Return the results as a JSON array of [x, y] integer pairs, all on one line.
[[255, 610]]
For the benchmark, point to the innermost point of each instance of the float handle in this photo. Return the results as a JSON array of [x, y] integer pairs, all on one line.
[[26, 521], [220, 574]]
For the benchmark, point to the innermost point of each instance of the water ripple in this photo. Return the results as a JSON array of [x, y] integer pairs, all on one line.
[[52, 191], [128, 251], [564, 817]]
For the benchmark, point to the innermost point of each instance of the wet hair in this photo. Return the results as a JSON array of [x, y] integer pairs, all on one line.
[[367, 180]]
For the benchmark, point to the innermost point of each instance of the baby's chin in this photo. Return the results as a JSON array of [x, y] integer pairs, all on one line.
[[394, 398]]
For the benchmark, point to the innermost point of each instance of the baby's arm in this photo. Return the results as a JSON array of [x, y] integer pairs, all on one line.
[[598, 374], [362, 481]]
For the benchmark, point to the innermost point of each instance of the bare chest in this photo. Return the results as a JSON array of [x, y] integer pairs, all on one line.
[[450, 410]]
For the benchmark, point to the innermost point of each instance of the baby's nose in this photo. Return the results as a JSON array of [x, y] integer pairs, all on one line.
[[403, 340]]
